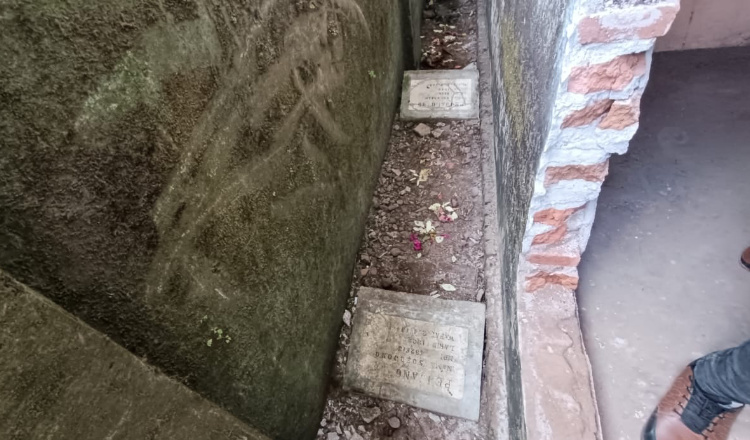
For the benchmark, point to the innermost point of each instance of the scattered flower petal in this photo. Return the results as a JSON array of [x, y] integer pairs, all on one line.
[[416, 242]]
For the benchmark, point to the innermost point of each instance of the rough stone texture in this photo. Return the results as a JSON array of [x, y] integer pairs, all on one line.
[[588, 114], [558, 382], [60, 378], [640, 22], [524, 40], [622, 114], [429, 321], [592, 173], [172, 169], [616, 74]]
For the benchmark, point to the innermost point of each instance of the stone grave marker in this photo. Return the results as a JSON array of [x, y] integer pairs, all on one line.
[[422, 351], [440, 94]]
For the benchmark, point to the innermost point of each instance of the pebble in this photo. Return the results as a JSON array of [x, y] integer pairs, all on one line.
[[434, 417], [480, 294], [332, 436], [323, 422], [348, 322], [369, 414], [338, 430], [396, 251], [356, 436], [436, 133], [422, 129], [394, 422]]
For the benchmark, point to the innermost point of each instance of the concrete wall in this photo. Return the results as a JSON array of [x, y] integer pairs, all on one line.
[[708, 23], [61, 379], [191, 178], [603, 70], [524, 44]]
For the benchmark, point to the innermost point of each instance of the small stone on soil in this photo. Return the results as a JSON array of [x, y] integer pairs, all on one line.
[[437, 133], [332, 436], [369, 414], [394, 422], [396, 252], [347, 321], [422, 129]]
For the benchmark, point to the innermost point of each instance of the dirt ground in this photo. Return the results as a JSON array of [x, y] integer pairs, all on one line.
[[449, 158]]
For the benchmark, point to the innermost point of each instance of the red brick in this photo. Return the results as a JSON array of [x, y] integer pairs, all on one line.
[[587, 114], [622, 114], [590, 173], [551, 237], [627, 24], [550, 259], [554, 217], [612, 75], [540, 279]]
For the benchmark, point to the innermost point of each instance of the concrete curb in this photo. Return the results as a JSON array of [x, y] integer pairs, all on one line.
[[494, 396]]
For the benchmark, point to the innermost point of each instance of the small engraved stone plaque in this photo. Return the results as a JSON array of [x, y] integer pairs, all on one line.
[[446, 94], [423, 351], [440, 94], [414, 354]]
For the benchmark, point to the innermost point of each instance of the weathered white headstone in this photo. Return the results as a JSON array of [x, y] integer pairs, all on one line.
[[426, 352], [440, 94]]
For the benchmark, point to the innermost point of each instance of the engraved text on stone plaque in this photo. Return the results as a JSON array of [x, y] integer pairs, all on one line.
[[415, 354]]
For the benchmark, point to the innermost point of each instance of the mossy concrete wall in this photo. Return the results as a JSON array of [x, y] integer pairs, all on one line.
[[191, 178], [525, 41], [61, 379]]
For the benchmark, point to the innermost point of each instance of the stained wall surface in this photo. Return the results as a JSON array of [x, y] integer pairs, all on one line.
[[525, 37], [191, 179]]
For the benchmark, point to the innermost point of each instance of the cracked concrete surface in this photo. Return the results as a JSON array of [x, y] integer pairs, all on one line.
[[559, 395]]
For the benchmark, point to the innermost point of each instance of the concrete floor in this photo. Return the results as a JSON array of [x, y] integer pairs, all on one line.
[[660, 280]]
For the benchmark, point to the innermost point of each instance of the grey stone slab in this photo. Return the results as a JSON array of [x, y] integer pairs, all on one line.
[[61, 379], [426, 352], [440, 94]]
